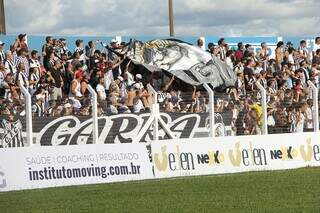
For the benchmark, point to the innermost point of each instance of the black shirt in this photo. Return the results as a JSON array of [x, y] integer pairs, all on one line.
[[248, 82], [56, 75]]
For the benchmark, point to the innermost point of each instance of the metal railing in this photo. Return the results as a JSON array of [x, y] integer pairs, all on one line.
[[94, 97], [315, 110], [155, 121], [27, 97]]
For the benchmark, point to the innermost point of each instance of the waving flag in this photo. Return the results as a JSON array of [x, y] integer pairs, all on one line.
[[187, 62]]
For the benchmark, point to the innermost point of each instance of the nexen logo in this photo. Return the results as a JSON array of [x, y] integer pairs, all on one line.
[[3, 182]]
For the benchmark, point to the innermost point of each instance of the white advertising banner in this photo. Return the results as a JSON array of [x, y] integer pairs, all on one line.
[[40, 167], [234, 154]]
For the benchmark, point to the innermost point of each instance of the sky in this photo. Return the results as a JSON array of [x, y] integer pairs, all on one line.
[[150, 17]]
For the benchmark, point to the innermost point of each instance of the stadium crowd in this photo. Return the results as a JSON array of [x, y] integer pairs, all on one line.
[[58, 80]]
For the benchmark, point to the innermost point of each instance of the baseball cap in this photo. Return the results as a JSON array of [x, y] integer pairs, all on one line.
[[120, 78], [1, 43], [78, 74], [289, 43], [20, 36], [114, 40], [67, 105], [137, 86], [139, 76]]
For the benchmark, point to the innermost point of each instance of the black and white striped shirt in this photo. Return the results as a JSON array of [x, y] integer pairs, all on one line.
[[10, 67], [38, 110], [2, 56], [22, 78]]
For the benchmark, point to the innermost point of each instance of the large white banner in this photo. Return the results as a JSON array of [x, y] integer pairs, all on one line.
[[40, 167], [235, 154]]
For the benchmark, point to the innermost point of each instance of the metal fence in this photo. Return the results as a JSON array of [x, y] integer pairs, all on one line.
[[222, 114]]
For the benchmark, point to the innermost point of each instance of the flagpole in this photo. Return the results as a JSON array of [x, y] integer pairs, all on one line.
[[2, 18], [171, 18]]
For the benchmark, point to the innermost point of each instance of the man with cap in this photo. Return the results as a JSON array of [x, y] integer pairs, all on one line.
[[2, 54], [114, 58], [289, 44], [38, 108], [138, 81], [111, 55]]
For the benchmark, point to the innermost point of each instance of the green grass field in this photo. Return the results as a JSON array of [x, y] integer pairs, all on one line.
[[277, 191]]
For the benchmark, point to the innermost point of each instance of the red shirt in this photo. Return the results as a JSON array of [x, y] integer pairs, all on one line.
[[239, 55]]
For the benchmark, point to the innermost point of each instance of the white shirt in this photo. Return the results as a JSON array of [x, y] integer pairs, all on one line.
[[108, 79], [300, 123], [130, 79], [22, 78], [113, 110], [83, 55], [77, 90], [101, 92], [257, 70], [309, 117], [222, 54], [34, 63], [316, 47], [290, 59], [229, 62], [138, 106]]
